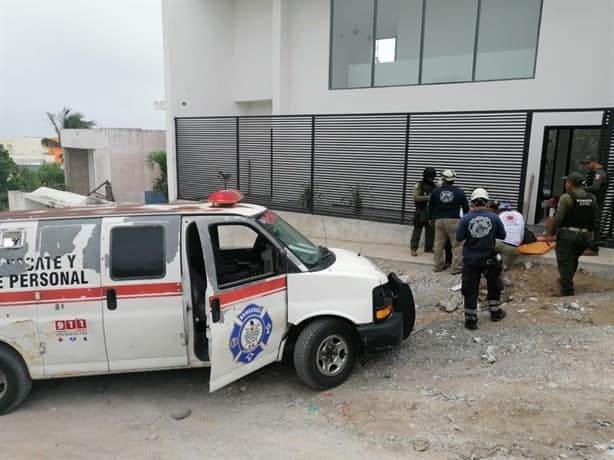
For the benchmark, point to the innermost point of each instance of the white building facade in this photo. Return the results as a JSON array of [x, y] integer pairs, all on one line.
[[543, 68]]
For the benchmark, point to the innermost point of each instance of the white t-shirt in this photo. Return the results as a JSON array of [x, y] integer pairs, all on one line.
[[514, 227]]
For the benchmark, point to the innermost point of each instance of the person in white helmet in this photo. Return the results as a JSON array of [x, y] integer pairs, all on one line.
[[480, 229], [444, 208]]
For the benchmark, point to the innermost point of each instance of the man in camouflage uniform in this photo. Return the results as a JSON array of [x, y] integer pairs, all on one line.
[[422, 192], [573, 224], [597, 184]]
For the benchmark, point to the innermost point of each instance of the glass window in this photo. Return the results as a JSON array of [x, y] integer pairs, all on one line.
[[397, 44], [242, 255], [385, 50], [449, 39], [11, 239], [304, 249], [352, 43], [137, 252], [507, 39], [406, 42]]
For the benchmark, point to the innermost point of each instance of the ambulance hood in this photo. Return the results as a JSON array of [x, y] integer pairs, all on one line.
[[351, 264]]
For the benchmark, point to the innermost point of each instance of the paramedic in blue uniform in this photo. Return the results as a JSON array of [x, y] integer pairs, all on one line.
[[480, 229], [444, 208]]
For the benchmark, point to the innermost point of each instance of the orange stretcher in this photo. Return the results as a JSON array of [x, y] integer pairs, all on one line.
[[537, 248]]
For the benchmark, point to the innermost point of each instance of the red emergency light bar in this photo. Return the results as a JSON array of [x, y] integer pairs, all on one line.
[[228, 197]]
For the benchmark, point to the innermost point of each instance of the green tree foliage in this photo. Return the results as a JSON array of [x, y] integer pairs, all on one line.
[[51, 175], [65, 119], [13, 177], [160, 183], [10, 179]]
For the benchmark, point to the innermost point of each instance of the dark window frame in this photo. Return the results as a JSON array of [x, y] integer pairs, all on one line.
[[129, 278], [421, 55], [215, 246]]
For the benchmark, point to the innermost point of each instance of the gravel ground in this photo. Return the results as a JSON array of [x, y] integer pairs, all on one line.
[[539, 384]]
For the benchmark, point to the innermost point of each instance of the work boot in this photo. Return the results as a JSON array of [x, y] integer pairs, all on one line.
[[471, 323], [429, 251], [497, 315], [414, 252], [590, 252]]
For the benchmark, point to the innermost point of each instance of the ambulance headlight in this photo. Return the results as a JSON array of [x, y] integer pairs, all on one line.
[[382, 302]]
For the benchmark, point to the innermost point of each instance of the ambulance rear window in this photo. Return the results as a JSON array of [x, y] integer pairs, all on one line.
[[137, 252]]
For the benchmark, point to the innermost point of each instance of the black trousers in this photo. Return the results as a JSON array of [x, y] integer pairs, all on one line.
[[472, 273], [421, 221], [569, 247]]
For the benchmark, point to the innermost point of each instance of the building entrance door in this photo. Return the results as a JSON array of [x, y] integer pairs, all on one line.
[[564, 149]]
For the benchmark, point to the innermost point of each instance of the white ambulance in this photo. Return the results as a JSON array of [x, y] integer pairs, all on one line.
[[221, 284]]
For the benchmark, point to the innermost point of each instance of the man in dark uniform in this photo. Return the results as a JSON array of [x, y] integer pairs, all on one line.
[[480, 229], [444, 207], [597, 184], [573, 224], [422, 192]]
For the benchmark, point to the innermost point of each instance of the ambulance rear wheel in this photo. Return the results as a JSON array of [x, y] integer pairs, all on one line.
[[325, 353], [15, 381]]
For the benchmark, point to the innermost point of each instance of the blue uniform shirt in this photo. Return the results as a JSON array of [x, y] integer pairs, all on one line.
[[446, 202], [479, 229]]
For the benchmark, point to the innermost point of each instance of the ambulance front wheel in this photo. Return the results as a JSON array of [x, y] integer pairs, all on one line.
[[15, 381], [325, 353]]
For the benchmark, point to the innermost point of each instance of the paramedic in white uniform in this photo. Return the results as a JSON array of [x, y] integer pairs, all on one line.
[[514, 229]]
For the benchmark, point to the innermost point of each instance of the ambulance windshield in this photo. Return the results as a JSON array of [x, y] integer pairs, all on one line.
[[304, 249]]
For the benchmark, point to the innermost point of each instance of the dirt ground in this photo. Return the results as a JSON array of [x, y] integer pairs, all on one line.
[[540, 384]]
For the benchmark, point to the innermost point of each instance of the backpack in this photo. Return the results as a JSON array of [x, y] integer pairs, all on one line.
[[529, 236]]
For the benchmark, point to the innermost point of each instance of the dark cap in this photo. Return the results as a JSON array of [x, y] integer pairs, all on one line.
[[590, 158], [429, 173], [575, 178]]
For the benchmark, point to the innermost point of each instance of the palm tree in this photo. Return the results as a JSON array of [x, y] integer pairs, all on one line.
[[65, 119]]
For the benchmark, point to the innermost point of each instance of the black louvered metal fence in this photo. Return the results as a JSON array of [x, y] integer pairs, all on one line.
[[361, 166], [607, 159]]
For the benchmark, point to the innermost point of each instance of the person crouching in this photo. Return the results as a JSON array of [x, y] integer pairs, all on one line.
[[479, 229]]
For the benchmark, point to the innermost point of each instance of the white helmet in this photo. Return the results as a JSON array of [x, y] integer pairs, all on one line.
[[448, 175], [479, 193]]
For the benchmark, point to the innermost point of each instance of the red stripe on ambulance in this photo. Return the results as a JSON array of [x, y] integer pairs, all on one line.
[[248, 292], [10, 299]]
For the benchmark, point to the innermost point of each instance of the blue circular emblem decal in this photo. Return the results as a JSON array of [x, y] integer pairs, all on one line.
[[250, 333]]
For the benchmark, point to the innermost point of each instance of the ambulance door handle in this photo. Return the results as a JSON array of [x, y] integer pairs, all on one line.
[[111, 299], [215, 310]]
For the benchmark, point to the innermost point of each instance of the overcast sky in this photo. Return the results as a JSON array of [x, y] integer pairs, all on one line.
[[100, 57]]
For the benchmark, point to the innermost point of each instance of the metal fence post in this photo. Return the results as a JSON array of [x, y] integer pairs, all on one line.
[[406, 161], [313, 158], [238, 159], [271, 161]]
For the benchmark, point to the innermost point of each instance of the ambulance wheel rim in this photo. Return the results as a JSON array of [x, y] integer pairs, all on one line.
[[3, 384], [333, 355]]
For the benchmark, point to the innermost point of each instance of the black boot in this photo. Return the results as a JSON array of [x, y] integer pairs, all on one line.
[[497, 315], [471, 322]]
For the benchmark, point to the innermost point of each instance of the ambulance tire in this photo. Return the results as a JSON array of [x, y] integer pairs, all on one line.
[[16, 382], [308, 349]]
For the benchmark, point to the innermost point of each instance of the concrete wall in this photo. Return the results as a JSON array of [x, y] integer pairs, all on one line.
[[218, 52], [116, 155], [574, 68], [26, 150]]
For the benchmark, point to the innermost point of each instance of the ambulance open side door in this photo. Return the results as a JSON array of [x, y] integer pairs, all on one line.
[[246, 296]]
